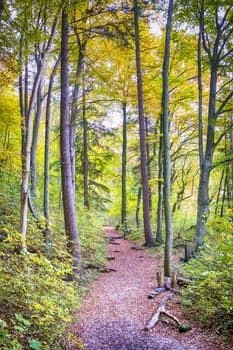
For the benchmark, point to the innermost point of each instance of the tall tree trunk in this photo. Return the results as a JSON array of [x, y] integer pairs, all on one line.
[[148, 161], [85, 147], [142, 130], [203, 189], [28, 133], [35, 141], [47, 151], [159, 227], [74, 108], [123, 170], [166, 150], [67, 186], [199, 66]]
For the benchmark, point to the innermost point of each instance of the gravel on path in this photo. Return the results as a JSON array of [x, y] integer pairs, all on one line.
[[117, 308]]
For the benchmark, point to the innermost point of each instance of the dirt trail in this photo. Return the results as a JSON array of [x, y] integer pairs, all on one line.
[[115, 311]]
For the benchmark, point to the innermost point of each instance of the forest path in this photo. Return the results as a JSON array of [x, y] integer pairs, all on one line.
[[116, 309]]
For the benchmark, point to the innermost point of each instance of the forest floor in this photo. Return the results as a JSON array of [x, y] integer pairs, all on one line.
[[115, 311]]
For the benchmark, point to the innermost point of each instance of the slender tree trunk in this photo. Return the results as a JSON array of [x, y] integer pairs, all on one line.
[[159, 237], [148, 162], [166, 150], [1, 9], [231, 198], [199, 65], [139, 197], [224, 194], [123, 170], [67, 186], [142, 130], [28, 133], [85, 148], [74, 112], [47, 151], [35, 141], [203, 190]]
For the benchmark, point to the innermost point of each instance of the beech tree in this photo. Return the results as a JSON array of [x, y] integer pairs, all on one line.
[[142, 132], [29, 103], [66, 172], [216, 29], [166, 151]]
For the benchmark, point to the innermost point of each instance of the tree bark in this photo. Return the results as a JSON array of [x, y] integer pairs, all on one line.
[[85, 148], [203, 190], [28, 133], [139, 197], [35, 140], [199, 66], [74, 105], [66, 173], [166, 150], [142, 131], [159, 237], [148, 162], [47, 151], [123, 170]]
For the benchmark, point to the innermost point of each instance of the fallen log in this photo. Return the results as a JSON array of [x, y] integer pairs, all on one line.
[[162, 310], [150, 324], [161, 290]]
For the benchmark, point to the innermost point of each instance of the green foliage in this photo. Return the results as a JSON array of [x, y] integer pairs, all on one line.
[[91, 237], [37, 297], [38, 301], [209, 296]]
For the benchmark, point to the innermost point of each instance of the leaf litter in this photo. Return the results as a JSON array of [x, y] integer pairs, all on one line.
[[117, 308]]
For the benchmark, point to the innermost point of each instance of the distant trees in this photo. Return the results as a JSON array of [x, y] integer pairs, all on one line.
[[111, 168]]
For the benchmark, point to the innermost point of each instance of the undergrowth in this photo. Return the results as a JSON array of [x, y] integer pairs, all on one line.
[[209, 296], [37, 297]]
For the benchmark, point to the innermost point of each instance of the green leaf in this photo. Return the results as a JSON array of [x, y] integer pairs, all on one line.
[[34, 344], [20, 318], [19, 328]]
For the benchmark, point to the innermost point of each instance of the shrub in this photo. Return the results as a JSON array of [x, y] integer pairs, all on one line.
[[209, 296]]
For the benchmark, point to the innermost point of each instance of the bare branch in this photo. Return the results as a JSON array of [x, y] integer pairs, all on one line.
[[223, 104]]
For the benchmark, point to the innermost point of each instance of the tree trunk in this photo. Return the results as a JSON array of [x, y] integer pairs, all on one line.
[[231, 136], [66, 173], [139, 197], [148, 162], [74, 110], [142, 130], [35, 141], [47, 151], [166, 150], [85, 149], [199, 66], [203, 190], [1, 9], [219, 191], [159, 228], [28, 133], [123, 174]]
